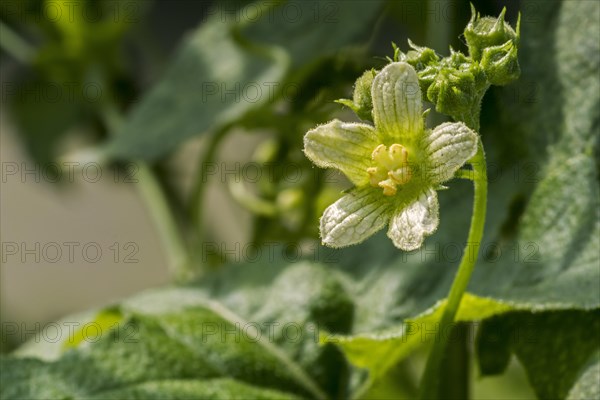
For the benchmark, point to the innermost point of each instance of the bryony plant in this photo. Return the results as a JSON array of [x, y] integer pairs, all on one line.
[[397, 165]]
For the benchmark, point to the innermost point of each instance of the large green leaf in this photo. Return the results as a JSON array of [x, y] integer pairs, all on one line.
[[233, 64], [193, 389], [34, 379], [251, 330]]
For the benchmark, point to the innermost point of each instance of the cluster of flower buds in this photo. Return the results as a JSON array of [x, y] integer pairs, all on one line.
[[456, 84]]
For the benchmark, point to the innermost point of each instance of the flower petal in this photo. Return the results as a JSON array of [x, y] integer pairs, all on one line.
[[397, 107], [409, 227], [448, 147], [355, 217], [344, 146]]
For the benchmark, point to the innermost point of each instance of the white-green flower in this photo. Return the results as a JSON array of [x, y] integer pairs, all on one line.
[[396, 165]]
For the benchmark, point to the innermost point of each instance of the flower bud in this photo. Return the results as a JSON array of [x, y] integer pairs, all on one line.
[[362, 103], [458, 86], [362, 95], [451, 92], [501, 64], [427, 77], [419, 57], [424, 61], [482, 33]]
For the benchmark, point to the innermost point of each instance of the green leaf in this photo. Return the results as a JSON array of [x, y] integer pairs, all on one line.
[[138, 350], [34, 379], [104, 321], [193, 389], [552, 346], [587, 385], [230, 67], [380, 351], [220, 336]]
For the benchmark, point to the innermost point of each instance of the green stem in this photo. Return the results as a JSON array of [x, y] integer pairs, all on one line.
[[430, 383], [156, 202], [207, 158]]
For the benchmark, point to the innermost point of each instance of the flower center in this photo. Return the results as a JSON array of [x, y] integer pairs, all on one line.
[[391, 168]]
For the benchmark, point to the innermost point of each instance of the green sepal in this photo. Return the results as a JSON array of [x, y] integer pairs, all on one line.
[[501, 63]]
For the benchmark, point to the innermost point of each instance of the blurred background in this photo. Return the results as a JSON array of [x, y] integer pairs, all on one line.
[[68, 68]]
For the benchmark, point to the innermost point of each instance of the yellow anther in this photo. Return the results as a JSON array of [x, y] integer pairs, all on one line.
[[398, 153], [389, 187], [401, 175], [381, 156], [376, 175], [391, 168]]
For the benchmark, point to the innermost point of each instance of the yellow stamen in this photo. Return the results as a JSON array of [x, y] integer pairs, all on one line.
[[390, 168]]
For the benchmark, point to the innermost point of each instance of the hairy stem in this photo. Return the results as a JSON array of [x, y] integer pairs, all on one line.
[[430, 383]]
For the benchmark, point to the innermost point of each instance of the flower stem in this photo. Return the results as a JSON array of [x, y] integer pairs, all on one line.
[[430, 383], [153, 196], [208, 157]]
